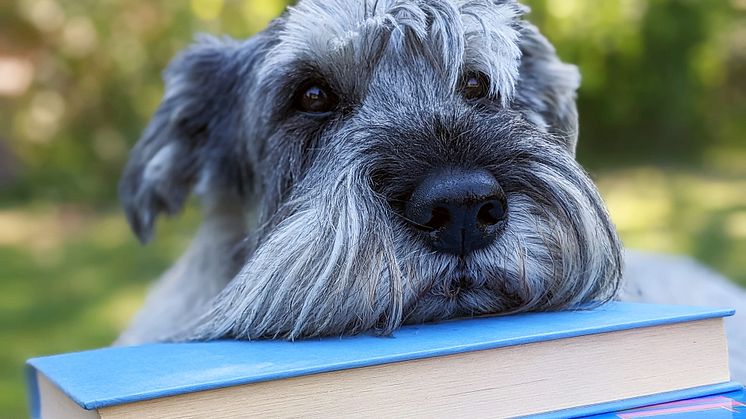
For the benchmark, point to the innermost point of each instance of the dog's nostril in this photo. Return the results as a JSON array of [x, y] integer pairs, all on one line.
[[491, 213], [439, 219]]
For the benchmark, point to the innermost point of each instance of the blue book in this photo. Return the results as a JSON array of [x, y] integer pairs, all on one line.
[[731, 405], [614, 357]]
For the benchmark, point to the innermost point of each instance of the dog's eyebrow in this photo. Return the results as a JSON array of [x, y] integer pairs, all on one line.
[[492, 38], [482, 35]]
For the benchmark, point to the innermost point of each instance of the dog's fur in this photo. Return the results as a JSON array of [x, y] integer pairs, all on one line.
[[303, 232]]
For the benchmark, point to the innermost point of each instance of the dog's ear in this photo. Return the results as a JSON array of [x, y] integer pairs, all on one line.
[[547, 87], [195, 135]]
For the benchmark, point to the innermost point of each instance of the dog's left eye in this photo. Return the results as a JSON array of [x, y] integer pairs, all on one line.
[[475, 86], [315, 98]]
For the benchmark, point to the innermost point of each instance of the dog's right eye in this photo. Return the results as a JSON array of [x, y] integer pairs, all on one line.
[[315, 98], [475, 86]]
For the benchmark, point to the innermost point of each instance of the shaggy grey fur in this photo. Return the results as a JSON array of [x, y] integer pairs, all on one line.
[[303, 232]]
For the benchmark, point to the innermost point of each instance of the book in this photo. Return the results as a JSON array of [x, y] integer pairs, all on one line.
[[731, 405], [614, 357]]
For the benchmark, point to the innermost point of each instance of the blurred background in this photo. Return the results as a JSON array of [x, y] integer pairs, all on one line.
[[663, 132]]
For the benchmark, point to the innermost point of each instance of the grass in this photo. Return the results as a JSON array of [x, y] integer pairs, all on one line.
[[697, 214], [71, 278]]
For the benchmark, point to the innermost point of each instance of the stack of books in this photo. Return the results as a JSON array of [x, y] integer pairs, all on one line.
[[562, 364]]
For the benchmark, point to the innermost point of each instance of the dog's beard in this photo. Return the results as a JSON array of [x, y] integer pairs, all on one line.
[[338, 259], [327, 267]]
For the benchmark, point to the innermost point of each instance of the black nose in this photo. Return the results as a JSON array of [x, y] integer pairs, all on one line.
[[460, 210]]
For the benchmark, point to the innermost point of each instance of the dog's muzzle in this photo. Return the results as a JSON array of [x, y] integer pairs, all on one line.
[[458, 210]]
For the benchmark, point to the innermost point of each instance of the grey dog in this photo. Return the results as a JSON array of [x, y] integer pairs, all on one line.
[[365, 164]]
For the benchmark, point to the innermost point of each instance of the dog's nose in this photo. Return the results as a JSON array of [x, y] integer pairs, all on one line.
[[460, 210]]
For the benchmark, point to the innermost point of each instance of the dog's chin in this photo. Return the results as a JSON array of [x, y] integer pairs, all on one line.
[[462, 296]]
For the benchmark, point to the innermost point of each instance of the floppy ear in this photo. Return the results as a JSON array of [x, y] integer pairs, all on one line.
[[547, 87], [194, 135]]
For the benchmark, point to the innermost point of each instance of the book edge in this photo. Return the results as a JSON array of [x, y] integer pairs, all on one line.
[[98, 403], [32, 392]]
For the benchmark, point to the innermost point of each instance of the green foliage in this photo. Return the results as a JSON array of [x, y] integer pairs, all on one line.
[[96, 81], [663, 80]]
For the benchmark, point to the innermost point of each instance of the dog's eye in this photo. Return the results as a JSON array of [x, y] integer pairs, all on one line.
[[475, 86], [315, 98]]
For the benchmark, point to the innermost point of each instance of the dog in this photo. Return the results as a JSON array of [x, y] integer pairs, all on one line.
[[367, 164]]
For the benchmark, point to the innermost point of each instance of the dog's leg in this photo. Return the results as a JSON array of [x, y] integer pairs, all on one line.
[[209, 263], [653, 278]]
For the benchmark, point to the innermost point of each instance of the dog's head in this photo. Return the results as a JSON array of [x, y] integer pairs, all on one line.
[[407, 160]]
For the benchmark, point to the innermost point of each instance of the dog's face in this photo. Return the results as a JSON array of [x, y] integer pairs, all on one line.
[[405, 161]]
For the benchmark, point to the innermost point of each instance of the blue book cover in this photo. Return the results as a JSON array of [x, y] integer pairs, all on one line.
[[111, 376]]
